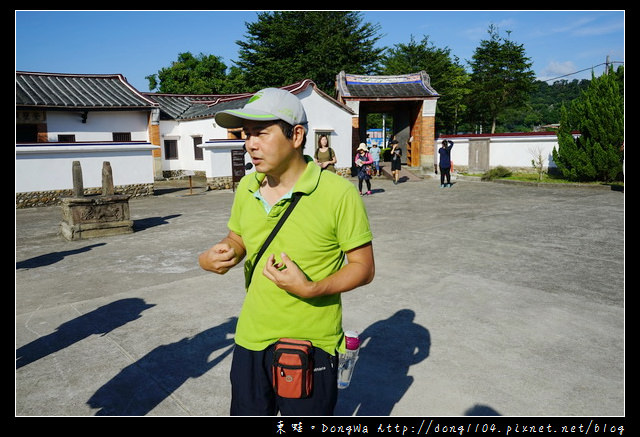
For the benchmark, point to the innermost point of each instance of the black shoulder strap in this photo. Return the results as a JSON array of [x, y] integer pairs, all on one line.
[[294, 201]]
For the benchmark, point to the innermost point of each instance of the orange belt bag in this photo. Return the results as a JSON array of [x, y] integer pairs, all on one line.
[[292, 368]]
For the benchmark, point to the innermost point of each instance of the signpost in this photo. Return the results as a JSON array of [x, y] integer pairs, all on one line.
[[190, 173], [237, 166]]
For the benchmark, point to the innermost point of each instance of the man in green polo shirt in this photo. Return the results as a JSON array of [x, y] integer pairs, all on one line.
[[323, 249]]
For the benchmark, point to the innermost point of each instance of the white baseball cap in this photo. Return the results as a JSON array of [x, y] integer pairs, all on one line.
[[266, 105]]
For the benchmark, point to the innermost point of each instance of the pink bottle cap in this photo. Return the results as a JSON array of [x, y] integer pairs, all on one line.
[[353, 342]]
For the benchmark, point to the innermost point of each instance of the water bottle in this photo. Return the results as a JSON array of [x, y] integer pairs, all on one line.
[[348, 359]]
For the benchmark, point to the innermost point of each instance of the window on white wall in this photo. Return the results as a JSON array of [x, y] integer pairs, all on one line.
[[170, 149], [66, 138], [122, 136], [197, 151]]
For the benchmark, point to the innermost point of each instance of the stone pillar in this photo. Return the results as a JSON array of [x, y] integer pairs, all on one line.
[[107, 179], [94, 216], [78, 184]]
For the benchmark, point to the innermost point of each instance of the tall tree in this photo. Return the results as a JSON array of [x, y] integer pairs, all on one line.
[[501, 76], [598, 115], [202, 74], [284, 47], [447, 76], [543, 106]]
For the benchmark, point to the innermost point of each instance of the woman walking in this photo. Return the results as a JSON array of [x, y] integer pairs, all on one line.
[[396, 165], [363, 162]]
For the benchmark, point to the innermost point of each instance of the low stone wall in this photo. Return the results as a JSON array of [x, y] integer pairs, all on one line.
[[48, 198], [226, 182], [344, 171], [220, 183], [181, 174]]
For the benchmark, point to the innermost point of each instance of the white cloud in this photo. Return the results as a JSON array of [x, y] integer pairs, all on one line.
[[556, 69]]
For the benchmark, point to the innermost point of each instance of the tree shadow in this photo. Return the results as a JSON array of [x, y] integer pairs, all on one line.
[[52, 258], [388, 348], [141, 386], [99, 321]]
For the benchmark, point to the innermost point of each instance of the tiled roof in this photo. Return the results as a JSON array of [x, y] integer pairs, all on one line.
[[112, 91], [354, 86], [189, 106], [86, 91]]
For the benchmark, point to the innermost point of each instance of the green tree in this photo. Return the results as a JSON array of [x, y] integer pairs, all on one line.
[[501, 78], [598, 116], [235, 82], [202, 74], [447, 76], [542, 107], [284, 47]]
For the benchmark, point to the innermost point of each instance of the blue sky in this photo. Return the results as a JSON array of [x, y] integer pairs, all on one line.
[[139, 43]]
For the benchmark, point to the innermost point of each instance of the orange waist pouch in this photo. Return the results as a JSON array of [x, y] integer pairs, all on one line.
[[293, 368]]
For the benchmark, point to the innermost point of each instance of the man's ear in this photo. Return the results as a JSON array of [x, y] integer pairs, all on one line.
[[298, 135]]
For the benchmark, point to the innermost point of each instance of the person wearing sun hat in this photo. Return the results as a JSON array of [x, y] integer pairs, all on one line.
[[363, 161], [322, 250]]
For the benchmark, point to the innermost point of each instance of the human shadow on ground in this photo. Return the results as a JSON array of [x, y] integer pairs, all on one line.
[[149, 222], [380, 379], [481, 410], [102, 320], [141, 386], [377, 190], [53, 257]]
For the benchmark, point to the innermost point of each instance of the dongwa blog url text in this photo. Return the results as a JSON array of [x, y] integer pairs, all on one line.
[[431, 427]]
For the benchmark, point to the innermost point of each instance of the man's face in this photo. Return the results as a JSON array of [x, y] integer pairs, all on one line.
[[270, 150]]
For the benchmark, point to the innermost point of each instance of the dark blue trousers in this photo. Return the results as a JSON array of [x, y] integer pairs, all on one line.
[[252, 391], [445, 172]]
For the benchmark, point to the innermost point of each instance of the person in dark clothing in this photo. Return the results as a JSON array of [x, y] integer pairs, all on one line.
[[445, 163], [396, 165]]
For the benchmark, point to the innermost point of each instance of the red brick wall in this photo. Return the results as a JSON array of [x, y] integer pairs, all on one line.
[[423, 133]]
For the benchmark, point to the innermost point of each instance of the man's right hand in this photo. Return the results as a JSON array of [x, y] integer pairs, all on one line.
[[223, 255]]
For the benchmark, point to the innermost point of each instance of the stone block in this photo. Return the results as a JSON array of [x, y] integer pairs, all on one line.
[[95, 216]]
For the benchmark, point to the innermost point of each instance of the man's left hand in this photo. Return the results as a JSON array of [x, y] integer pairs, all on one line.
[[287, 275]]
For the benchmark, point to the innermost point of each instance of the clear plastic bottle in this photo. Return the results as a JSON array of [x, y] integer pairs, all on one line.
[[348, 359]]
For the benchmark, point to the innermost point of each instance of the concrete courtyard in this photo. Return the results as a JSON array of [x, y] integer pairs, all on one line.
[[489, 299]]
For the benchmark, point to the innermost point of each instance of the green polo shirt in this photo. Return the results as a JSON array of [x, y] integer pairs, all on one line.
[[329, 220]]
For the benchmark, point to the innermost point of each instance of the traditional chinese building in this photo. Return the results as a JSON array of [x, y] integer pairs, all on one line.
[[409, 98]]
